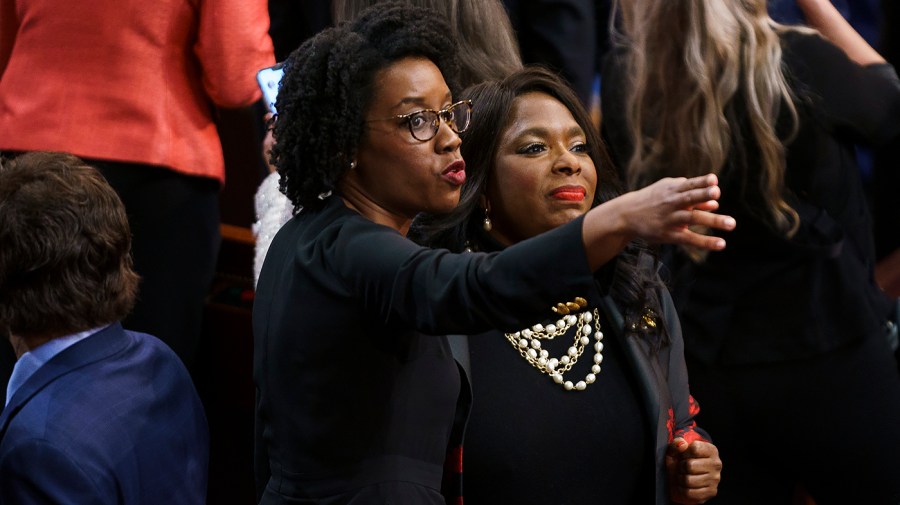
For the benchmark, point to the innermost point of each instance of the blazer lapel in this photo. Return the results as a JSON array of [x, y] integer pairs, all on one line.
[[96, 347], [646, 376]]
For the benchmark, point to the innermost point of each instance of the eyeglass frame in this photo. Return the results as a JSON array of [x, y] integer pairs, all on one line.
[[440, 114]]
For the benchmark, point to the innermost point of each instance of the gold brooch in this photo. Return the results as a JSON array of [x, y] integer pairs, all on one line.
[[565, 308], [647, 322]]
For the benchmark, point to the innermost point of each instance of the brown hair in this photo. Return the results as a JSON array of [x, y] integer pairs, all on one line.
[[488, 49], [65, 248]]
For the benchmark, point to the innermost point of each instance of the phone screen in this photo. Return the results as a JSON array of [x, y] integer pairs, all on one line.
[[268, 79]]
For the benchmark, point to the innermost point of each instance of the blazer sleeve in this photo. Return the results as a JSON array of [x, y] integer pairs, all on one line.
[[438, 292], [862, 102], [232, 45], [38, 473], [9, 27], [684, 408]]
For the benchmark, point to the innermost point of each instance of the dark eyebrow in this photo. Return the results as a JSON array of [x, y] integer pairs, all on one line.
[[418, 100], [540, 131]]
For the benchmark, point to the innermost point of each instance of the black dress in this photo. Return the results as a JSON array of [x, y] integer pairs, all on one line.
[[529, 441]]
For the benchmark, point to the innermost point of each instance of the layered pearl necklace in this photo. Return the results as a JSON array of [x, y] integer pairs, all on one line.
[[528, 343]]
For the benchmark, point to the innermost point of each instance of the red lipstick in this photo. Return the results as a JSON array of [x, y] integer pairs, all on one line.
[[455, 173], [570, 193]]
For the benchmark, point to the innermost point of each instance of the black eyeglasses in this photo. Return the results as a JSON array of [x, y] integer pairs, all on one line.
[[424, 124]]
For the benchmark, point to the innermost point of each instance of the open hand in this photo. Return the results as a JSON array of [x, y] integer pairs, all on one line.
[[664, 211]]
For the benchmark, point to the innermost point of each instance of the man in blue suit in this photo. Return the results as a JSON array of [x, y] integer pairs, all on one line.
[[95, 414]]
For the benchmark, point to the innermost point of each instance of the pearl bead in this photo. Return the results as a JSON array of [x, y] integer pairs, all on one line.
[[530, 343]]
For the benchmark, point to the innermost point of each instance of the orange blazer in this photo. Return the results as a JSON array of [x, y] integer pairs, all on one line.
[[129, 80]]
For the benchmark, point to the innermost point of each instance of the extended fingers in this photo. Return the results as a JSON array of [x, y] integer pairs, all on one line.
[[691, 238], [710, 220], [691, 198], [707, 205], [702, 181], [685, 236]]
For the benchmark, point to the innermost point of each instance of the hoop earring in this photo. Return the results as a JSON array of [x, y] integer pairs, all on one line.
[[487, 224], [352, 165]]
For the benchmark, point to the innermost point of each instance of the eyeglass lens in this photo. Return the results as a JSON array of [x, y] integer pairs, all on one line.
[[424, 125]]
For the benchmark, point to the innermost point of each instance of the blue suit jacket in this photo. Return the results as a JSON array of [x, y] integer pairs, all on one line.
[[113, 419]]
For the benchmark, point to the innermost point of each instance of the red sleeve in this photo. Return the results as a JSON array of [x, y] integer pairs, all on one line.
[[9, 26], [233, 44]]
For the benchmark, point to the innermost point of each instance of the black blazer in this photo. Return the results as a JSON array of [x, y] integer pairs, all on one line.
[[661, 376]]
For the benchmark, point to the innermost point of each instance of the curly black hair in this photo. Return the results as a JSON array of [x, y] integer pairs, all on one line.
[[327, 88]]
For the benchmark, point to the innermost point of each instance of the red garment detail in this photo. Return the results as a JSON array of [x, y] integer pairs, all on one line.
[[454, 461]]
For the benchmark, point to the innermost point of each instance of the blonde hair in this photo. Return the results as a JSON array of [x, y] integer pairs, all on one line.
[[687, 62], [488, 49]]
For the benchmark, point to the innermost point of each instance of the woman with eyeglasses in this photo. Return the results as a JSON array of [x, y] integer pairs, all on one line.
[[358, 397], [488, 50]]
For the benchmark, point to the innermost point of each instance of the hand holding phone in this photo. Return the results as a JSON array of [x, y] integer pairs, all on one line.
[[269, 80]]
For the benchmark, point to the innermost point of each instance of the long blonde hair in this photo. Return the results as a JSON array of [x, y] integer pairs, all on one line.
[[686, 61]]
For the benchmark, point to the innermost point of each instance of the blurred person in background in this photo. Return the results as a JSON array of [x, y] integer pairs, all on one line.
[[785, 331], [95, 414], [132, 87]]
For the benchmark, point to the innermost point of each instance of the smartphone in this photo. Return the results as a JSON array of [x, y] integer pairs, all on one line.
[[268, 79]]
